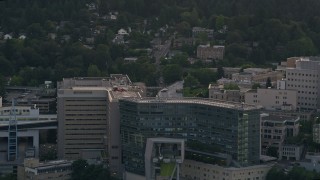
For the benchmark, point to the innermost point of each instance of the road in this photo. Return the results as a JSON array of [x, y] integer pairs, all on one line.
[[171, 91], [162, 51]]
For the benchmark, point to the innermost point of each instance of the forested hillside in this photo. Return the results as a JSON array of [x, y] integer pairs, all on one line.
[[256, 32]]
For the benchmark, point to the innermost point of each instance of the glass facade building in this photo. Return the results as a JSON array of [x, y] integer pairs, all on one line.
[[232, 128]]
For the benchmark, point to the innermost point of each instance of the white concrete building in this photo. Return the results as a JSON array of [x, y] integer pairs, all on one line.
[[89, 117], [219, 93], [305, 78], [26, 116], [275, 129], [202, 171], [257, 75], [290, 152], [272, 98], [32, 169]]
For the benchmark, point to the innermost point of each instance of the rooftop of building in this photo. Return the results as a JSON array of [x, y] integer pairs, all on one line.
[[121, 92], [252, 91], [113, 80], [209, 102], [257, 70], [201, 28], [49, 164], [26, 94]]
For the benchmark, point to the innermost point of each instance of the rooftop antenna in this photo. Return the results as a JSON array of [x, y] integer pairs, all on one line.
[[12, 137]]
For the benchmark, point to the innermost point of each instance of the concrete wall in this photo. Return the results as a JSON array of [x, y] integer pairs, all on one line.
[[114, 138], [272, 98], [198, 170]]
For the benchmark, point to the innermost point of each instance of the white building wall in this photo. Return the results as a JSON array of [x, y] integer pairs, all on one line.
[[202, 171], [305, 79], [272, 98], [281, 84], [290, 152]]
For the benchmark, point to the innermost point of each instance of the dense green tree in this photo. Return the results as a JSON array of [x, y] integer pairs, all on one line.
[[231, 86], [205, 76], [180, 59], [268, 83], [172, 73], [6, 67], [272, 151], [257, 31], [78, 168], [93, 71], [183, 28], [301, 47], [81, 170], [190, 81], [2, 86], [219, 22], [35, 30], [8, 177], [256, 86], [276, 174], [220, 72]]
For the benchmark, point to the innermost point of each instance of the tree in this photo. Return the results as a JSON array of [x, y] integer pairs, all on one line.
[[172, 73], [16, 81], [231, 86], [255, 86], [181, 59], [272, 151], [81, 170], [268, 83], [220, 72], [2, 86], [184, 28], [204, 75], [93, 71], [78, 168], [6, 67], [276, 174], [190, 81], [219, 22], [8, 177]]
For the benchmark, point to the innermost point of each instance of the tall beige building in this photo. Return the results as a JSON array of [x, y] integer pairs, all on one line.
[[305, 78], [88, 118], [272, 98]]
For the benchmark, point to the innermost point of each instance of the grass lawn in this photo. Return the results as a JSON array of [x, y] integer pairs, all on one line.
[[167, 169]]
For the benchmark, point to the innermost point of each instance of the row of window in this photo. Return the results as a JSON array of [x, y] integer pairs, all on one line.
[[271, 137], [306, 98], [302, 74], [269, 131], [307, 104]]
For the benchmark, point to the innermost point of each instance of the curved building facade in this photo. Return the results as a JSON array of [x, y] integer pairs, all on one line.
[[225, 127]]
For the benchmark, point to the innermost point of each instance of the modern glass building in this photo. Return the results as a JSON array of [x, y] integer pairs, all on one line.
[[206, 125]]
